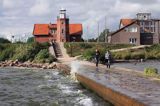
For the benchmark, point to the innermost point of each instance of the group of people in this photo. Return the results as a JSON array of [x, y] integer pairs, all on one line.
[[107, 58]]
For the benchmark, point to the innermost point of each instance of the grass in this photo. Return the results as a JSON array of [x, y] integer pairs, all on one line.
[[35, 52], [151, 71], [87, 50]]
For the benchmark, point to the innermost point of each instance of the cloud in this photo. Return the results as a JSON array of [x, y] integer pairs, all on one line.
[[7, 3], [40, 8], [19, 16], [142, 2]]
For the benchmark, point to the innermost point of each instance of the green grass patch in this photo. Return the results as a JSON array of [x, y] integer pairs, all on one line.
[[151, 71], [35, 52]]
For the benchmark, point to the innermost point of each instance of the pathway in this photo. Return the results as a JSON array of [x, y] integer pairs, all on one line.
[[131, 48]]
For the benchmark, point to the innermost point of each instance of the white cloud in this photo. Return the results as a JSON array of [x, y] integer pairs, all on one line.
[[8, 3], [19, 16], [40, 8]]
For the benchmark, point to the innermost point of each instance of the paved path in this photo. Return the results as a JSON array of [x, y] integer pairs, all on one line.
[[131, 48], [130, 83]]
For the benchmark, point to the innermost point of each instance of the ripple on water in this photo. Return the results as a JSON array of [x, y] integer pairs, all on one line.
[[32, 87]]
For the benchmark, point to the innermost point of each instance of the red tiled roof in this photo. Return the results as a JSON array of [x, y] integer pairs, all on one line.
[[126, 22], [75, 29], [41, 29]]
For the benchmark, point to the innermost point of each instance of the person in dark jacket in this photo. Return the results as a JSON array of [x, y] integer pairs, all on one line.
[[97, 56]]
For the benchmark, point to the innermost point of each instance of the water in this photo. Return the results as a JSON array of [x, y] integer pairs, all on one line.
[[35, 87], [140, 66]]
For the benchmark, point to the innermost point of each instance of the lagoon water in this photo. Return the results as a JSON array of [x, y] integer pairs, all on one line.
[[35, 87]]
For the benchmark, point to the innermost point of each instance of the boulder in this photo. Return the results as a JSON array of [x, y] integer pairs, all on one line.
[[11, 64], [44, 67]]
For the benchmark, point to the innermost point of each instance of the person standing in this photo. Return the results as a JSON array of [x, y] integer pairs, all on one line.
[[97, 56], [108, 59]]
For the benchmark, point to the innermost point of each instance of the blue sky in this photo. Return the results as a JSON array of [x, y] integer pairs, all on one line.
[[19, 16]]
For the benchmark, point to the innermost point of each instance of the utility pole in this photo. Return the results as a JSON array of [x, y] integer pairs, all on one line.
[[105, 34], [98, 33], [87, 33]]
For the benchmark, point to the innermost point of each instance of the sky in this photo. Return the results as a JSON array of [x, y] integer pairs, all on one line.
[[17, 17]]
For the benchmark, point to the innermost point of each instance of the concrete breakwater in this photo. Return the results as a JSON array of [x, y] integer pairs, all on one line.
[[107, 93], [120, 87]]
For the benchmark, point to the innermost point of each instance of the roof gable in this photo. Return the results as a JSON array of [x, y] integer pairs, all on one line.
[[125, 22], [124, 27]]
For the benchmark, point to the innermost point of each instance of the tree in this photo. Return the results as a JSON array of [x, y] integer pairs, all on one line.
[[103, 35], [30, 40], [3, 40]]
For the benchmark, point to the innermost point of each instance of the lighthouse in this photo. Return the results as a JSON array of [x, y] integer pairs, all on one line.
[[62, 26], [61, 31]]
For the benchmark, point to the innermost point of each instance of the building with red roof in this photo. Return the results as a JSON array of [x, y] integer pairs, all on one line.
[[62, 31], [144, 30]]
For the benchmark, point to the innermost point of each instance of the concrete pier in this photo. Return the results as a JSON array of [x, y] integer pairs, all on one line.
[[120, 87]]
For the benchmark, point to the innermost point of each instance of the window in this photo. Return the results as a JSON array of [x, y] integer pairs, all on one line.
[[53, 31], [132, 40], [62, 31], [131, 29]]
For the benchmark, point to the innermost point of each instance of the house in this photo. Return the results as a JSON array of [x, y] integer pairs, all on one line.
[[62, 31], [143, 30]]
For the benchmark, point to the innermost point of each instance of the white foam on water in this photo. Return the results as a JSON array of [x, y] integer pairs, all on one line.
[[65, 89], [75, 66], [86, 102], [47, 76]]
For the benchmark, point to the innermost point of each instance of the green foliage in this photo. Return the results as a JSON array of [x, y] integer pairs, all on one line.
[[3, 40], [103, 34], [122, 55], [44, 57], [30, 40], [153, 52], [25, 52], [89, 54], [138, 55], [6, 54], [81, 48], [151, 71]]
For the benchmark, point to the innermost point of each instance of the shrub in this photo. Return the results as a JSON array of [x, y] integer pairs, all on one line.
[[89, 54], [41, 56], [138, 55], [30, 40], [6, 54], [44, 57], [122, 55], [25, 52], [151, 71], [3, 40]]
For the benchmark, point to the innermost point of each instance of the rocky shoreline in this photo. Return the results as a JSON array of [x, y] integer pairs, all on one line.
[[63, 68]]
